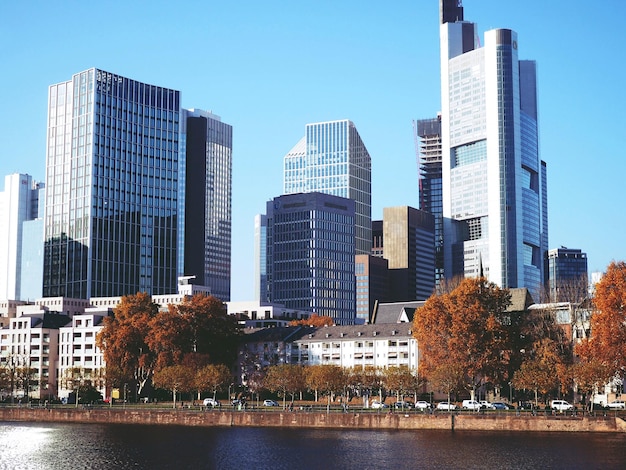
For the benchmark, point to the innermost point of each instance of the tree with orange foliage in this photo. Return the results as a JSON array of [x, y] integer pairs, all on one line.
[[128, 357], [607, 343], [466, 327], [314, 320]]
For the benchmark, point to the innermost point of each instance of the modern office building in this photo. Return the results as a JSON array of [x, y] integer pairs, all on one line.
[[21, 237], [311, 253], [428, 141], [112, 159], [567, 275], [260, 258], [409, 247], [331, 158], [493, 181], [372, 285], [205, 194], [140, 190]]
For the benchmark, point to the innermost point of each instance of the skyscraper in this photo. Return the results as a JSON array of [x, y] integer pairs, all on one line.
[[567, 276], [21, 259], [331, 158], [310, 254], [428, 134], [205, 194], [112, 160], [494, 184]]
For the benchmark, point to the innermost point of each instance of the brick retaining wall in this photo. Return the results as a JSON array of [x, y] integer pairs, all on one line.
[[352, 420]]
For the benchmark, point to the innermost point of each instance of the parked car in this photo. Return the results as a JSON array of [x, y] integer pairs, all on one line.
[[270, 403], [471, 405], [484, 404], [617, 405], [561, 405], [376, 405], [499, 405], [525, 405], [211, 402], [403, 405], [422, 405], [446, 405]]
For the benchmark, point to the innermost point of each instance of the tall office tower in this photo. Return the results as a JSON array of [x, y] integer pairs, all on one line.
[[372, 285], [112, 181], [494, 184], [428, 134], [409, 247], [331, 158], [20, 242], [311, 254], [567, 275], [205, 208], [260, 258]]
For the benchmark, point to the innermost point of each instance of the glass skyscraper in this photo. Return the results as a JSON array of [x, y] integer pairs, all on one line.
[[332, 159], [205, 201], [567, 276], [112, 161], [494, 184], [21, 258], [311, 254]]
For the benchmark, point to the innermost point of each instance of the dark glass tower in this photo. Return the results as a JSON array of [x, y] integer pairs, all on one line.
[[311, 254]]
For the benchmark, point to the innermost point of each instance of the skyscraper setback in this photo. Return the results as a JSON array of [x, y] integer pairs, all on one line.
[[494, 184], [114, 214]]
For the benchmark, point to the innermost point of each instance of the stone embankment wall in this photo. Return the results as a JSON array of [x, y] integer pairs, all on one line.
[[352, 420]]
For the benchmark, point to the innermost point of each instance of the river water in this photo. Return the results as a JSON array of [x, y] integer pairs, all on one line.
[[35, 446]]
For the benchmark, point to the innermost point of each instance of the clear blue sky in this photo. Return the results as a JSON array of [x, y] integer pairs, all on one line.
[[269, 67]]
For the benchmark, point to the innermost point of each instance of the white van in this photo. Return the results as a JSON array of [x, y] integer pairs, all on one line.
[[561, 405], [471, 405]]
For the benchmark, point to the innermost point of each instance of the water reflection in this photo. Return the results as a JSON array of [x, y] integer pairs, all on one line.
[[75, 446]]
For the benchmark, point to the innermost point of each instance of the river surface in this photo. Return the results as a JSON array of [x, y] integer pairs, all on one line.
[[27, 446]]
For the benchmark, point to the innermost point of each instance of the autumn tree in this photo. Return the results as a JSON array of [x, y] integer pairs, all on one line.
[[607, 343], [401, 381], [285, 379], [326, 379], [364, 381], [177, 378], [535, 375], [466, 327], [213, 377], [447, 376], [123, 341], [316, 320], [589, 376]]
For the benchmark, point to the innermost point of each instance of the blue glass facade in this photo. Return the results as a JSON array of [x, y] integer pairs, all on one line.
[[331, 158], [112, 182], [311, 254]]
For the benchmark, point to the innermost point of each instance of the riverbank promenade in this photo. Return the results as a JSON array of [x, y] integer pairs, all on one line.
[[610, 422]]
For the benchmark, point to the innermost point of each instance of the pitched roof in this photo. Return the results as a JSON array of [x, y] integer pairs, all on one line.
[[520, 300], [387, 330], [396, 312]]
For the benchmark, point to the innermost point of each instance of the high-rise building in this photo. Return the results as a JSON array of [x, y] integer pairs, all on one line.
[[428, 134], [112, 160], [311, 254], [332, 159], [21, 238], [494, 184], [409, 247], [260, 258], [372, 285], [567, 275], [205, 194]]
